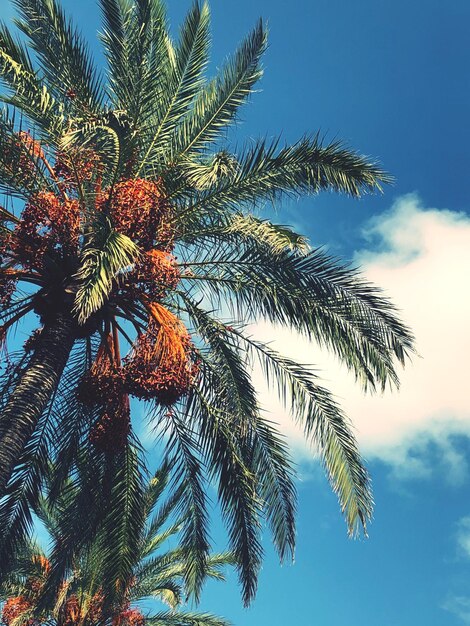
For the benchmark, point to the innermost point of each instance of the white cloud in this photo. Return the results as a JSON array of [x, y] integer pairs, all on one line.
[[459, 606], [456, 603], [463, 536], [421, 258]]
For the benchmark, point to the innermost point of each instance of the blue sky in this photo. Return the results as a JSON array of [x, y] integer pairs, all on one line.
[[391, 78]]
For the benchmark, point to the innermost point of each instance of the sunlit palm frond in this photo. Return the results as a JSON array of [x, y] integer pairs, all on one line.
[[184, 81], [101, 265], [306, 167], [247, 228], [313, 293], [180, 618], [262, 448], [218, 102], [326, 426], [63, 54], [25, 89]]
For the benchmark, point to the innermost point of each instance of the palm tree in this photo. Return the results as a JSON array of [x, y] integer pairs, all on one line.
[[129, 229], [91, 591]]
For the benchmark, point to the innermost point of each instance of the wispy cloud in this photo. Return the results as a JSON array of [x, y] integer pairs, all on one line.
[[457, 603], [463, 536], [421, 258], [459, 606]]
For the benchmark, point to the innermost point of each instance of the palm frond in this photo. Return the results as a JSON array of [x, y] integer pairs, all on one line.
[[121, 530], [183, 82], [72, 419], [216, 105], [116, 16], [153, 492], [261, 447], [21, 172], [27, 91], [153, 534], [217, 563], [100, 267], [236, 485], [169, 593], [326, 426], [157, 540], [152, 570], [244, 230], [179, 618], [205, 174], [139, 55], [79, 502], [24, 491], [183, 449], [62, 52], [147, 62], [266, 173], [318, 296], [16, 50]]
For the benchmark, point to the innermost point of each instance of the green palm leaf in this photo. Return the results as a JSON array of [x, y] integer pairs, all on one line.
[[60, 429], [184, 81], [327, 427], [306, 167], [184, 449], [121, 529], [180, 618], [62, 52], [265, 454], [314, 294], [139, 54], [218, 102], [27, 92], [100, 267], [236, 491]]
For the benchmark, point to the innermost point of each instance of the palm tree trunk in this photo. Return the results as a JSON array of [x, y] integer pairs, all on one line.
[[33, 391]]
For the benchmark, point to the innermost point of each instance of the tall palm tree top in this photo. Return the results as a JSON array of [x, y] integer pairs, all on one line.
[[135, 239], [83, 599]]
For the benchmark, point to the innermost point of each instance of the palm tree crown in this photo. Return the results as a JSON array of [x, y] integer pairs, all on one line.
[[86, 596], [131, 235]]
